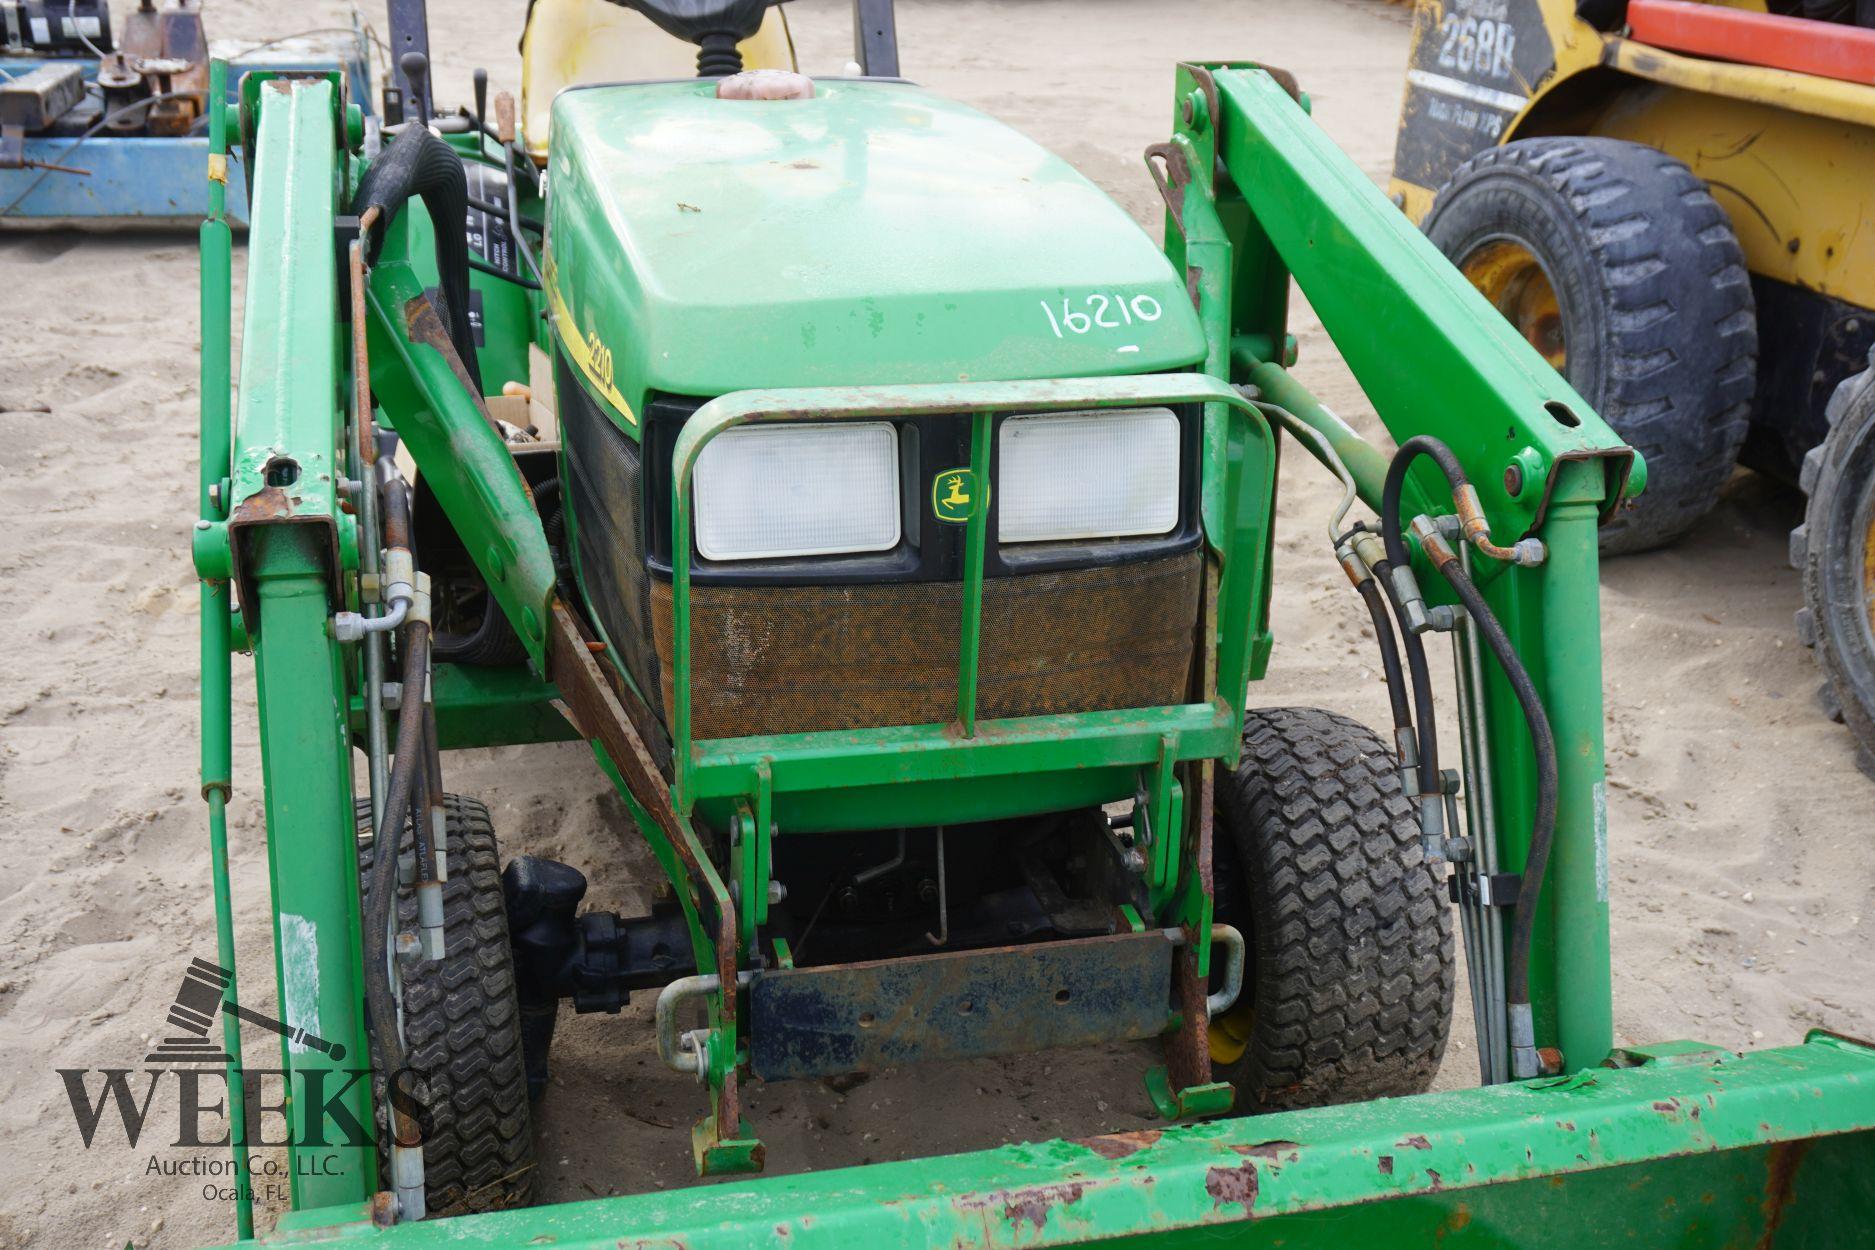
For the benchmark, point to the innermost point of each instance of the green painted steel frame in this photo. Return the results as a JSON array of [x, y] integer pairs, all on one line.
[[462, 456], [287, 534], [485, 706], [876, 776], [217, 450], [1703, 1151]]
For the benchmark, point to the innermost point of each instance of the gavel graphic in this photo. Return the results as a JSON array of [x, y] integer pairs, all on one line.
[[202, 993]]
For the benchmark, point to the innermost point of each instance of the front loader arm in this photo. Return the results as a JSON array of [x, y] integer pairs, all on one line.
[[272, 526], [1430, 352], [280, 526], [1256, 194], [459, 451]]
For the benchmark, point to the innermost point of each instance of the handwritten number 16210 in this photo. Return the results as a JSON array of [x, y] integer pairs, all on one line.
[[1099, 310]]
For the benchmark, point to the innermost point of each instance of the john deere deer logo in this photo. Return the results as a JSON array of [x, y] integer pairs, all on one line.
[[954, 496]]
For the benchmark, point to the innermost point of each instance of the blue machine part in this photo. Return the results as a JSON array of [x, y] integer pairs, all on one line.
[[146, 181]]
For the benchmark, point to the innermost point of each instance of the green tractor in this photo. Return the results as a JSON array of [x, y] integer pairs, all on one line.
[[894, 520]]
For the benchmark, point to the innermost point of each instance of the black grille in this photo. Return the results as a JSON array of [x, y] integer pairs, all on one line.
[[605, 496]]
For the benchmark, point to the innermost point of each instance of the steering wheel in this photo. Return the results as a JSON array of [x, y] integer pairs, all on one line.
[[715, 26]]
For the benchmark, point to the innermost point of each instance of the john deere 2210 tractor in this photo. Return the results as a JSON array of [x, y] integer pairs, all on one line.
[[893, 519], [1672, 202]]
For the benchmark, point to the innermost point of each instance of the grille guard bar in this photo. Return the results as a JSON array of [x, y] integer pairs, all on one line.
[[1237, 491]]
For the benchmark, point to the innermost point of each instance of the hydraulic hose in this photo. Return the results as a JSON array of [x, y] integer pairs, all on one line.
[[419, 163], [1543, 823], [1389, 654], [1542, 740], [1419, 445], [420, 793], [1398, 557], [1477, 528], [547, 498], [396, 513], [401, 792], [381, 891], [1421, 676]]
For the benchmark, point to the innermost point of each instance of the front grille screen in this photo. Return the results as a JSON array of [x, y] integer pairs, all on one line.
[[797, 659]]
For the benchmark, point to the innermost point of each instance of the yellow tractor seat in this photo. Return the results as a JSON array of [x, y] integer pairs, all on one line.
[[568, 42]]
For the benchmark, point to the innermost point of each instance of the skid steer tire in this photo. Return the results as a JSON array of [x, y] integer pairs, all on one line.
[[1834, 549], [1348, 990], [1639, 296], [462, 1031]]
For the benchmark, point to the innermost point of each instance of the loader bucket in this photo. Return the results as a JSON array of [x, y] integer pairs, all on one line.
[[1690, 1147]]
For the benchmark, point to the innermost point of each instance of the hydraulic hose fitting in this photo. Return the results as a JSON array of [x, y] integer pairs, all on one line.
[[1407, 743], [430, 918], [1431, 806], [1432, 541], [1368, 547], [1412, 602], [1524, 1062], [1352, 564], [1471, 513], [1432, 533], [407, 1180], [1528, 552], [419, 609], [1432, 827], [1372, 550], [398, 584]]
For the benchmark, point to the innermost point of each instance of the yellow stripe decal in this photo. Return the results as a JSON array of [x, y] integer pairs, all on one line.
[[586, 348]]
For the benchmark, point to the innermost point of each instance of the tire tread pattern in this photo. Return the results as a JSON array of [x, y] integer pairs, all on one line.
[[1833, 622], [1681, 343], [462, 1029], [1351, 936]]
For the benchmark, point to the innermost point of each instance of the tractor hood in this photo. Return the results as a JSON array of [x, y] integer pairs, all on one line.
[[875, 233]]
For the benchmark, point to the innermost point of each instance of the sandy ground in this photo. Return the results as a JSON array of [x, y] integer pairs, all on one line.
[[1739, 827]]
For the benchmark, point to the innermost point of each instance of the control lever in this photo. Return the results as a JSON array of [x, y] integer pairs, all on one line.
[[416, 67]]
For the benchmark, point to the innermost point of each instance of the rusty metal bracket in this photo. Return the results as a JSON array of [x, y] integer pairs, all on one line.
[[1172, 179], [599, 713], [1617, 470]]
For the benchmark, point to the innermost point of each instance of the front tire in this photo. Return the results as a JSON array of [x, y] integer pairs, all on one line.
[[1618, 266], [1348, 993], [462, 1030]]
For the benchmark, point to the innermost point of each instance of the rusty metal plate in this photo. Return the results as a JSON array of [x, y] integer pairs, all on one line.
[[797, 659], [959, 1005]]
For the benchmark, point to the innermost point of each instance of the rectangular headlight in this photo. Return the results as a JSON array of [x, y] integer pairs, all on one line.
[[1065, 475], [768, 492]]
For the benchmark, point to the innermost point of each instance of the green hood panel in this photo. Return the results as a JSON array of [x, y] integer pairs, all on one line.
[[876, 233]]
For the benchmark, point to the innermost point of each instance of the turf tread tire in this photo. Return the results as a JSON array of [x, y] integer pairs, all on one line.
[[1657, 307], [1351, 956], [462, 1029]]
